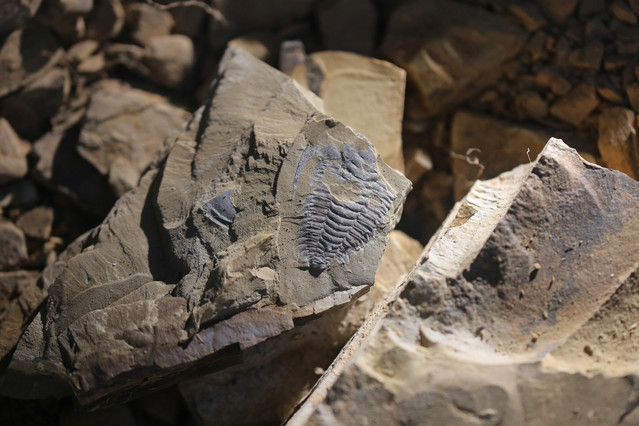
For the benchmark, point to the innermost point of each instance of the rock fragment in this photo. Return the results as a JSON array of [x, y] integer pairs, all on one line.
[[123, 129], [13, 246], [105, 20], [37, 222], [30, 110], [349, 83], [442, 54], [263, 211], [13, 153], [25, 54], [618, 140], [513, 275], [20, 297], [576, 105], [144, 22], [484, 147], [558, 11], [169, 59], [274, 376]]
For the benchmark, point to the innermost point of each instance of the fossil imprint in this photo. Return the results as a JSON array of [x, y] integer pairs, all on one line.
[[346, 204]]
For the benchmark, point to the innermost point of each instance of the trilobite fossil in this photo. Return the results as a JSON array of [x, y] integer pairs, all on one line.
[[220, 210], [346, 204]]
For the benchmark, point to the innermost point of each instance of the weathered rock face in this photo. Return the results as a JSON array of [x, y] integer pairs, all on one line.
[[349, 83], [263, 211], [123, 130], [449, 56], [13, 153], [274, 376], [522, 286]]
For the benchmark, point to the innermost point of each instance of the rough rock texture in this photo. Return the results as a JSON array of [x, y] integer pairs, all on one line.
[[265, 210], [274, 376], [519, 312], [450, 56], [575, 106], [20, 297], [123, 130], [13, 153], [349, 83]]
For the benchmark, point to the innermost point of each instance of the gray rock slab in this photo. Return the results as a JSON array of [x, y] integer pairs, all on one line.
[[510, 316], [264, 210]]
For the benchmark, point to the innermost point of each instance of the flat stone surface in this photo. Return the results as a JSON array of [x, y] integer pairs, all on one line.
[[123, 129], [349, 83], [264, 210], [13, 246], [442, 53], [20, 297], [521, 293], [13, 153]]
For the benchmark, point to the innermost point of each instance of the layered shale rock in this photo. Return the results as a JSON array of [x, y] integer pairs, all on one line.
[[262, 211], [521, 311]]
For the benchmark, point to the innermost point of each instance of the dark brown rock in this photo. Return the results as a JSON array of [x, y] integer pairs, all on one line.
[[60, 168], [14, 13], [558, 11], [621, 10], [13, 246], [20, 297], [576, 105], [37, 222], [188, 20], [25, 55], [444, 58], [632, 91], [144, 22], [123, 129], [517, 296], [105, 20], [170, 59], [218, 217], [528, 15], [618, 140], [349, 25], [588, 57], [30, 110], [13, 153]]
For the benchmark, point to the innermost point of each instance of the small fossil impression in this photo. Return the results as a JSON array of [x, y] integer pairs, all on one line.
[[220, 210], [346, 203]]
